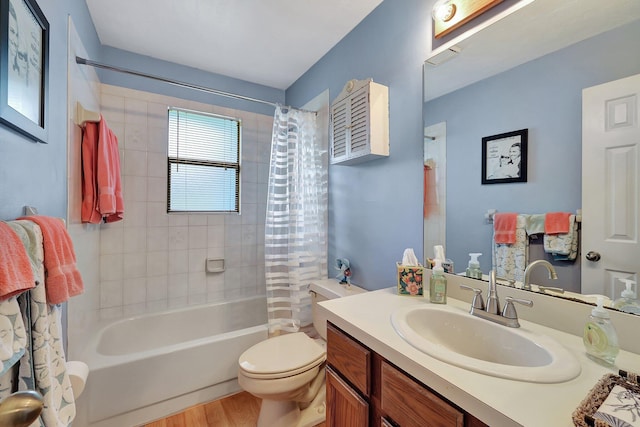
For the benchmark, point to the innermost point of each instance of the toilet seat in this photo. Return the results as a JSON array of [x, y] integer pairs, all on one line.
[[282, 356]]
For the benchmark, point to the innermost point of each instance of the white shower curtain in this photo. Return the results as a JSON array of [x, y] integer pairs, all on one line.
[[296, 220]]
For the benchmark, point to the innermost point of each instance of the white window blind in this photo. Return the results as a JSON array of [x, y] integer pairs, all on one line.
[[204, 165]]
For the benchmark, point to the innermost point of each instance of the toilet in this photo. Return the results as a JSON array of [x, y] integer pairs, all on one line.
[[288, 371]]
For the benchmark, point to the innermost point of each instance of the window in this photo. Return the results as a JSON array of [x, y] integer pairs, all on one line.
[[204, 162]]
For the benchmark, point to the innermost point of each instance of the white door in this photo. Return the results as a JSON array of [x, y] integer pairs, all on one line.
[[610, 189]]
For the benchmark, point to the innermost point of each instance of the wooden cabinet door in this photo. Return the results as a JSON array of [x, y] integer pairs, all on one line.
[[411, 405], [345, 407]]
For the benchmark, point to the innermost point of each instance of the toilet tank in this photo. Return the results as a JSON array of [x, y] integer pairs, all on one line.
[[323, 290]]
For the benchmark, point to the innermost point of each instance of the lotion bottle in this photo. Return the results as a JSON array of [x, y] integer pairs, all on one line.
[[600, 338], [438, 284], [627, 301], [473, 270]]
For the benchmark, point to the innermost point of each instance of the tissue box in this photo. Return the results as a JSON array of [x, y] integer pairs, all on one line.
[[409, 279]]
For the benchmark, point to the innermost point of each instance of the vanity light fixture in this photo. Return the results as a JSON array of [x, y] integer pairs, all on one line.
[[443, 10]]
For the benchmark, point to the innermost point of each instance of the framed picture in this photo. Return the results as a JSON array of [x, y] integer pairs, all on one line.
[[504, 157], [24, 53]]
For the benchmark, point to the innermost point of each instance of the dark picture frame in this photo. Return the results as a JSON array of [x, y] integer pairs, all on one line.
[[24, 68], [504, 157]]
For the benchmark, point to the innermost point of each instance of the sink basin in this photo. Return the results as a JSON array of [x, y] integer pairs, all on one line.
[[456, 337]]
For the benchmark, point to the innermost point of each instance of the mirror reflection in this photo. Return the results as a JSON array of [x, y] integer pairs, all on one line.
[[527, 71]]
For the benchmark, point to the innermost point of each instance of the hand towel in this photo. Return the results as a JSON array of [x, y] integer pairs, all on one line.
[[535, 224], [504, 228], [102, 197], [510, 260], [557, 222], [89, 210], [108, 174], [62, 279], [16, 275], [563, 246]]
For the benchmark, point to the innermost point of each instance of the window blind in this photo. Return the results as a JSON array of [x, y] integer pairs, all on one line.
[[204, 162]]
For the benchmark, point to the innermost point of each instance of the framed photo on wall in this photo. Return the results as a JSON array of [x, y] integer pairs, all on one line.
[[24, 66], [504, 157]]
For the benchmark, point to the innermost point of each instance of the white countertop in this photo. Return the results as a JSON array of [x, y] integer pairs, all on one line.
[[495, 401]]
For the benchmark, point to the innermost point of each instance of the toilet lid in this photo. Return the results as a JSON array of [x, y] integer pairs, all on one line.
[[282, 356]]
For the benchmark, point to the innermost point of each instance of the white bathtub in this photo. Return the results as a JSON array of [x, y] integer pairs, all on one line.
[[149, 366]]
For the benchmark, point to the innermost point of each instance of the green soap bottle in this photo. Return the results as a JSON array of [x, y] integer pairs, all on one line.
[[600, 338], [438, 284]]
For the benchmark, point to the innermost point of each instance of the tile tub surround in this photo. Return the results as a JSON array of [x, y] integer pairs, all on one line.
[[494, 401], [153, 261]]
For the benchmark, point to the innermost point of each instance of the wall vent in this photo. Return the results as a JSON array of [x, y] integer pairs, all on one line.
[[443, 56]]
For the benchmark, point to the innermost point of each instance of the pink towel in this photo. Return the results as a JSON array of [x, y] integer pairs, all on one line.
[[16, 275], [102, 185], [62, 278], [504, 228], [556, 222], [90, 212]]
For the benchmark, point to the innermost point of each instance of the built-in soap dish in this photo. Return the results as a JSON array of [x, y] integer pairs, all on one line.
[[214, 265]]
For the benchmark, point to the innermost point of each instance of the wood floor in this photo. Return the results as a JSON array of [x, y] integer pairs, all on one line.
[[238, 410]]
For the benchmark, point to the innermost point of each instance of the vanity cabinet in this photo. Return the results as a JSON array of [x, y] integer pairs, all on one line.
[[364, 389], [360, 123]]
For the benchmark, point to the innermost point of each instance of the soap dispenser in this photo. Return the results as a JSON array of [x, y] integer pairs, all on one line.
[[627, 301], [438, 284], [600, 338], [473, 270]]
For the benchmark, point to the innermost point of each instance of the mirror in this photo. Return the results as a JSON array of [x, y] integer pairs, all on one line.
[[526, 71]]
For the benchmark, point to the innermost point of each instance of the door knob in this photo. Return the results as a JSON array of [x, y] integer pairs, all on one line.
[[593, 256]]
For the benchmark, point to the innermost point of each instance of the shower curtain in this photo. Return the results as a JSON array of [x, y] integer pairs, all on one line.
[[296, 219]]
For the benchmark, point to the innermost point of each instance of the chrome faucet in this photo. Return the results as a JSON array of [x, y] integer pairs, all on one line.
[[527, 272], [491, 311]]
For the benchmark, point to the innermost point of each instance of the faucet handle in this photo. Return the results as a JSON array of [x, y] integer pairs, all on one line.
[[509, 310], [477, 301]]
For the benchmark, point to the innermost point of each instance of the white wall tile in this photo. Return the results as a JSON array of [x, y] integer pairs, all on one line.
[[198, 237], [135, 111], [135, 265], [135, 291], [178, 238], [178, 285], [178, 262], [136, 137], [153, 260], [135, 162], [157, 190], [111, 267], [157, 263], [135, 240]]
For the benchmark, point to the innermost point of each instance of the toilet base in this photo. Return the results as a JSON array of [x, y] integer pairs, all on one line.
[[274, 413]]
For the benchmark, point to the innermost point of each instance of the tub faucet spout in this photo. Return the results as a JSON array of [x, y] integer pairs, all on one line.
[[527, 272]]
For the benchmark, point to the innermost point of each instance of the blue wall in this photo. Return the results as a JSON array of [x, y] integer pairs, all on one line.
[[375, 208], [32, 173]]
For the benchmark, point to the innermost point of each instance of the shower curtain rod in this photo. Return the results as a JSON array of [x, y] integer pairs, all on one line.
[[91, 63]]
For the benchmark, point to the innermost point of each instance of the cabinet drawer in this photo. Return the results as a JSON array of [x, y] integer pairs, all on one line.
[[350, 358], [410, 404]]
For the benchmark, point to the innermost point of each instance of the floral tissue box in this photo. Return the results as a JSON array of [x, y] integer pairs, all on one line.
[[409, 279]]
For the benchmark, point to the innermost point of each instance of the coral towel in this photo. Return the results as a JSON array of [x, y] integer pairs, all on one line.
[[557, 222], [62, 278], [504, 228], [101, 186], [16, 274]]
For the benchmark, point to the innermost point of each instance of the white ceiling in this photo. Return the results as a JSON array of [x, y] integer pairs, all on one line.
[[536, 29], [269, 42]]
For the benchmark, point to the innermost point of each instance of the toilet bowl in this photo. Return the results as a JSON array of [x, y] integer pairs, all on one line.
[[288, 371]]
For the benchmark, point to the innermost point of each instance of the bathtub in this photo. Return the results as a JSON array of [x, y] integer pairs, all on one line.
[[150, 366]]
